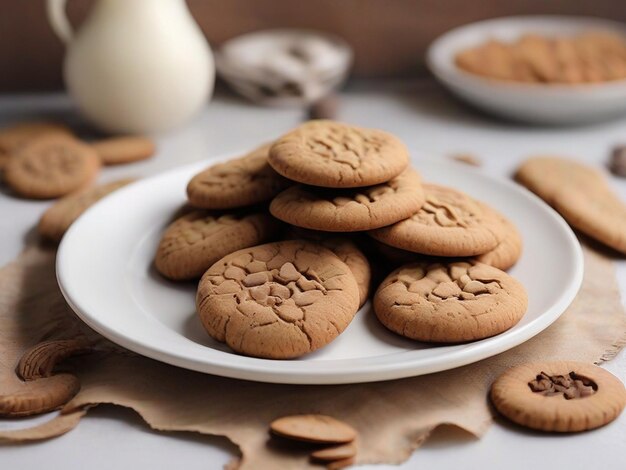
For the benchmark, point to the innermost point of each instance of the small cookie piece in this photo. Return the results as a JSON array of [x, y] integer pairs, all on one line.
[[330, 454], [467, 158], [581, 195], [51, 166], [58, 218], [350, 210], [240, 182], [278, 301], [318, 429], [16, 135], [617, 164], [124, 149], [509, 248], [559, 396], [450, 223], [449, 303], [193, 242], [335, 155]]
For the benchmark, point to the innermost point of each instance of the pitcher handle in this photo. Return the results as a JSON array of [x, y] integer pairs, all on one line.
[[58, 20]]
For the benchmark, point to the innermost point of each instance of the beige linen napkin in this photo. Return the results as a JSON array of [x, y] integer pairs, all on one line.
[[393, 418]]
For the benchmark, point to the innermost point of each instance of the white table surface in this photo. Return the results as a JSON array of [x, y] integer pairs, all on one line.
[[423, 116]]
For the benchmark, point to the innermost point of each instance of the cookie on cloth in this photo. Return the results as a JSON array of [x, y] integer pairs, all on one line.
[[335, 155], [318, 429], [559, 396], [193, 242], [449, 223], [51, 166], [449, 302], [350, 210], [278, 301], [244, 181], [124, 149]]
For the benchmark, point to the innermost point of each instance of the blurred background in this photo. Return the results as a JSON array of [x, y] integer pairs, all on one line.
[[389, 37]]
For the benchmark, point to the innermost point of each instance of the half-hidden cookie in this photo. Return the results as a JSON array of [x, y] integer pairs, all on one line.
[[51, 166], [336, 155], [350, 210], [58, 218], [318, 429], [559, 396], [17, 135], [124, 149], [240, 182], [450, 223], [278, 301], [193, 242], [331, 454], [509, 248], [449, 303], [581, 195]]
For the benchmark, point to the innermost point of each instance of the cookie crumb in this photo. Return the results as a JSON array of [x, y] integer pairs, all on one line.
[[467, 158]]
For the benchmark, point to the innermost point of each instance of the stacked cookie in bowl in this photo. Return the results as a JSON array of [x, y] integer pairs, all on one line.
[[275, 237]]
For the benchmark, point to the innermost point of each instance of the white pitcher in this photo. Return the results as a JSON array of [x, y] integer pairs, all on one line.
[[138, 66]]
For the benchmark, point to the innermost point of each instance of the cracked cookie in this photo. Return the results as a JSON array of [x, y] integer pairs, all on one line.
[[581, 195], [278, 301], [449, 303], [350, 210], [509, 248], [450, 223], [124, 149], [58, 218], [336, 155], [51, 166], [17, 135], [193, 242], [559, 396], [240, 182]]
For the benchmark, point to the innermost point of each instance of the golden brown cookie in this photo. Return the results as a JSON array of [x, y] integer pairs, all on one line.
[[331, 454], [450, 223], [16, 135], [58, 218], [124, 149], [278, 301], [559, 396], [240, 182], [336, 155], [318, 429], [350, 210], [193, 242], [581, 195], [509, 248], [51, 166], [449, 303]]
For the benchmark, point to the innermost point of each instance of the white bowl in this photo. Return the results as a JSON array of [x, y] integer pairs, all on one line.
[[537, 103]]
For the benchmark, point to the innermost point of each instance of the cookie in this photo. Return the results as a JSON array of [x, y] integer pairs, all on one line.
[[509, 248], [336, 155], [58, 218], [240, 182], [581, 195], [559, 396], [350, 210], [193, 242], [346, 251], [278, 301], [450, 223], [318, 429], [124, 149], [17, 135], [449, 303], [330, 454], [51, 166]]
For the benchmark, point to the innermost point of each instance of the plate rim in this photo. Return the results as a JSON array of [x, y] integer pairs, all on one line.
[[262, 371]]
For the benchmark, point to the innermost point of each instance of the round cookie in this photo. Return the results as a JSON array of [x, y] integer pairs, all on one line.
[[449, 303], [124, 149], [240, 182], [318, 429], [335, 155], [51, 166], [58, 218], [559, 396], [509, 248], [17, 135], [450, 223], [278, 301], [193, 242], [350, 210]]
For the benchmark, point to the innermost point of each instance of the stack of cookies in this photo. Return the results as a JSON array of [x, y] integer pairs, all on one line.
[[274, 236]]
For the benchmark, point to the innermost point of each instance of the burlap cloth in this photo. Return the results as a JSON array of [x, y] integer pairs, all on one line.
[[393, 418]]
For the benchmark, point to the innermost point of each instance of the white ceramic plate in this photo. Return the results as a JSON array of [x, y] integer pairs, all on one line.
[[104, 268], [544, 104]]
